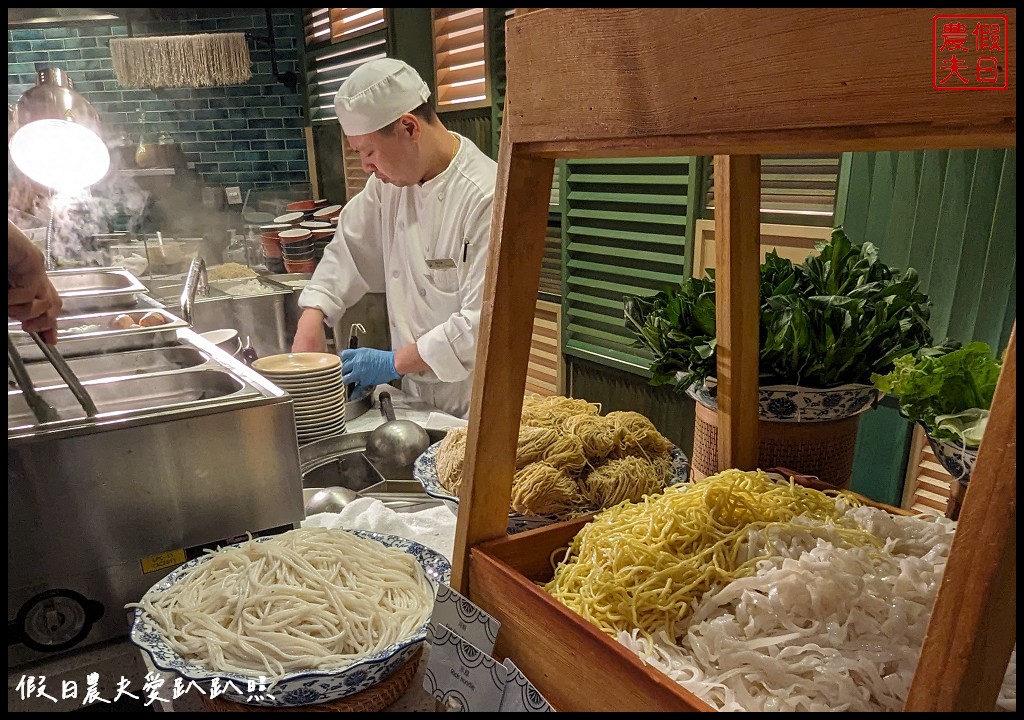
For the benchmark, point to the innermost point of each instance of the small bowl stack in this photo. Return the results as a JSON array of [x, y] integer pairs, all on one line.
[[328, 213], [314, 382], [297, 250], [271, 242], [323, 233]]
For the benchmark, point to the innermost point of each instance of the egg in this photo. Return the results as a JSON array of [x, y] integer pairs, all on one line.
[[122, 322], [151, 319]]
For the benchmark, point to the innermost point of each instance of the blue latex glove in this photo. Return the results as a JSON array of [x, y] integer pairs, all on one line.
[[366, 368]]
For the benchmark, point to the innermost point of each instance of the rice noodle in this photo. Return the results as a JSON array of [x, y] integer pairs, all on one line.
[[308, 599], [821, 625]]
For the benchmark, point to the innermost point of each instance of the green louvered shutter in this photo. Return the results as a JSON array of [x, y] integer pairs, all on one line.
[[627, 224], [551, 269], [336, 44], [795, 189]]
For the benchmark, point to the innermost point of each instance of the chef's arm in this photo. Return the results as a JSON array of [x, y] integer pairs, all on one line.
[[408, 360]]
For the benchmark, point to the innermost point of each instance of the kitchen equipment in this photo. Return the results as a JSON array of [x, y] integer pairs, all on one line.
[[195, 281], [99, 510], [57, 360], [43, 411], [329, 499], [396, 444], [85, 290], [353, 342], [95, 333]]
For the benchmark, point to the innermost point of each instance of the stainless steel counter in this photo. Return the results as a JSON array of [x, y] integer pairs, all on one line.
[[189, 448]]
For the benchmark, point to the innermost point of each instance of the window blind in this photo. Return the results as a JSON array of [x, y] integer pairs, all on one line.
[[627, 223], [795, 190], [460, 58], [334, 48]]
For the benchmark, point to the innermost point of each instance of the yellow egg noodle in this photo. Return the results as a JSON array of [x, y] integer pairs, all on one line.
[[641, 565], [604, 486], [542, 489], [562, 442], [308, 599], [449, 459]]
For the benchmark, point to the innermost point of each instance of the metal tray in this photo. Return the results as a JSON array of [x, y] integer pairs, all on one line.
[[99, 341], [85, 290]]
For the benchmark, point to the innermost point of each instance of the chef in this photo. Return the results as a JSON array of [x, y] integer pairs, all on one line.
[[418, 232]]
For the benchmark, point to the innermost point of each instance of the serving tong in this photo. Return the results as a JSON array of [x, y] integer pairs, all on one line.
[[43, 411]]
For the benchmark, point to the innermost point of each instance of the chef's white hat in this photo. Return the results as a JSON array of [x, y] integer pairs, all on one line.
[[376, 94]]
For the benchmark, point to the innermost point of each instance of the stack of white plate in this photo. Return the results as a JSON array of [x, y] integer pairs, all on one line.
[[314, 382]]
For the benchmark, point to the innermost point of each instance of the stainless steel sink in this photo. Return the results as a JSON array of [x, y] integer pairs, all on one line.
[[121, 396], [134, 362], [340, 461]]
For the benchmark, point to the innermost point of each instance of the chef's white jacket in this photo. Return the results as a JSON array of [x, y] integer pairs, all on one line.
[[425, 247]]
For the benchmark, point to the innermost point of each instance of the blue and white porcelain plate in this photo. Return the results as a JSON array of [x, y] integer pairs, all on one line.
[[303, 687], [424, 469]]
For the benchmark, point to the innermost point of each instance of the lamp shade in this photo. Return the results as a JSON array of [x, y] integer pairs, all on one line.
[[57, 141]]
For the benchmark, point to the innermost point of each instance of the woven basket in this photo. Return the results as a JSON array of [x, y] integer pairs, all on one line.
[[822, 449], [373, 699]]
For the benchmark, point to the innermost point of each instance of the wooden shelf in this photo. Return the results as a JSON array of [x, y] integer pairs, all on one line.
[[634, 82]]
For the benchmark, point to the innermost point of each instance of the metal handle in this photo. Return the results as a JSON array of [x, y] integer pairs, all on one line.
[[58, 362], [353, 342], [43, 411], [195, 280], [386, 408]]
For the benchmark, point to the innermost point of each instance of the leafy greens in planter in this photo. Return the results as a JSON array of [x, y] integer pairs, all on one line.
[[834, 319], [948, 389]]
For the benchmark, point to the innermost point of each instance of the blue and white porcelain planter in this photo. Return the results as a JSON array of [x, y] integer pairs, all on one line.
[[793, 403], [957, 459]]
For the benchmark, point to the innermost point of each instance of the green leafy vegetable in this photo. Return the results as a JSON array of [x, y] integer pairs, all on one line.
[[834, 319], [948, 388]]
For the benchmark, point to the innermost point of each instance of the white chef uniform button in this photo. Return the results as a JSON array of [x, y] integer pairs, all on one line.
[[440, 196], [395, 274], [423, 293]]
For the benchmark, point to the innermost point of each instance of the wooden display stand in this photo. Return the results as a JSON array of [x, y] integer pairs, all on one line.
[[737, 83]]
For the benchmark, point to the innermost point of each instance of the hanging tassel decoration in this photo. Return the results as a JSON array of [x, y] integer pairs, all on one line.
[[189, 61]]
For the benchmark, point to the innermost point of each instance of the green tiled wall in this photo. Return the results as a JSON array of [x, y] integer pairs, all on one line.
[[249, 135]]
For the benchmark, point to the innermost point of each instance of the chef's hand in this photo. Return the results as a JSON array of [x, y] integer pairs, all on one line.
[[367, 368], [31, 297], [309, 332]]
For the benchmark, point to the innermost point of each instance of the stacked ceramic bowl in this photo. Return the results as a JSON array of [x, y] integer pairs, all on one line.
[[297, 250], [271, 241], [323, 233], [318, 394]]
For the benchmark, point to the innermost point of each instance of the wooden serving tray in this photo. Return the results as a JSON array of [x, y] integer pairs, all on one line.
[[572, 663]]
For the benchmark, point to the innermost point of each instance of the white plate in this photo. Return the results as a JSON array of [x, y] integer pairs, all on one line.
[[297, 363], [289, 217], [327, 212]]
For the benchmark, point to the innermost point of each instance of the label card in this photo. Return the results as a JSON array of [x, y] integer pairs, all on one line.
[[459, 675], [459, 614], [520, 694]]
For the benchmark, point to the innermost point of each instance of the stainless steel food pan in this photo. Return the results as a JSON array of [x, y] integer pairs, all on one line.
[[131, 396], [131, 362], [93, 334], [85, 290]]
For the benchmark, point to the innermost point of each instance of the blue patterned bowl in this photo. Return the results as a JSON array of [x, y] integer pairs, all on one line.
[[424, 469], [792, 403], [301, 687], [954, 456]]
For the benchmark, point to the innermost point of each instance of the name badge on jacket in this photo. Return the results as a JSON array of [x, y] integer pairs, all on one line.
[[441, 264]]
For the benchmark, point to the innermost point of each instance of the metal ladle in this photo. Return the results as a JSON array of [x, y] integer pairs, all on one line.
[[397, 443], [330, 500]]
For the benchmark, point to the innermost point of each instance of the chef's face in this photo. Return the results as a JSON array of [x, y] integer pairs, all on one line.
[[390, 155]]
